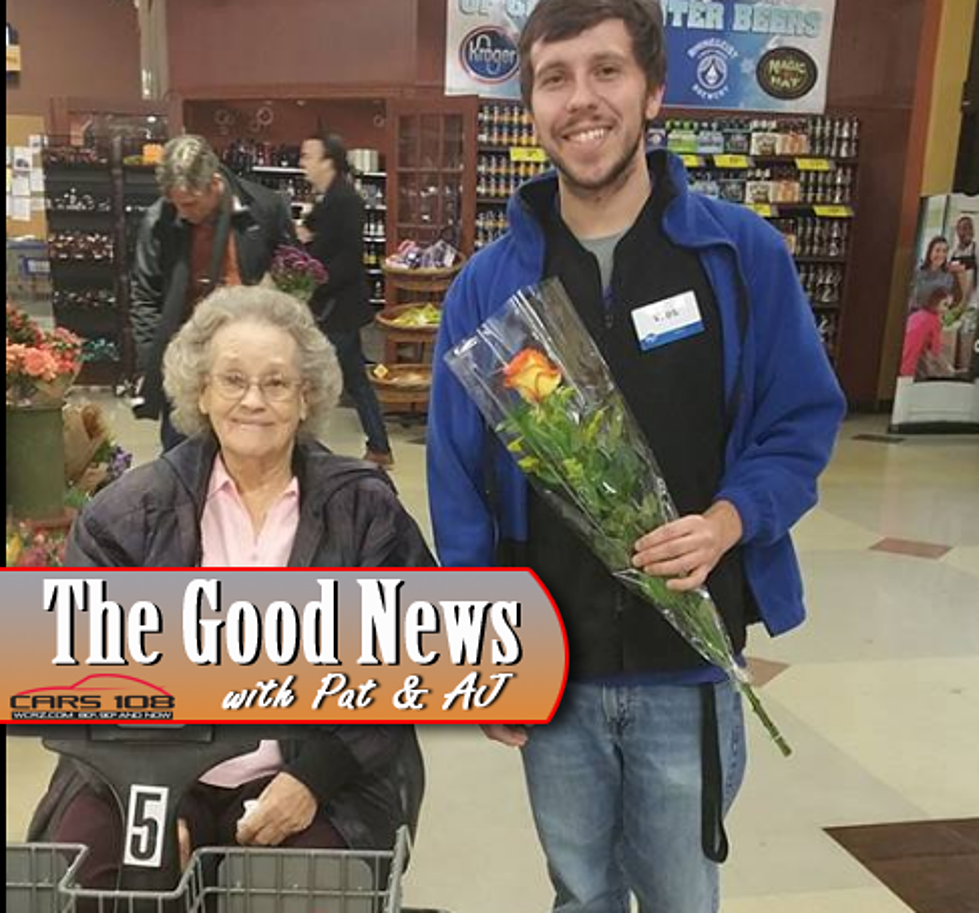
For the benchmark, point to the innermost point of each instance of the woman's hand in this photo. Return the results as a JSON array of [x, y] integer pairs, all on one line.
[[183, 842], [285, 807]]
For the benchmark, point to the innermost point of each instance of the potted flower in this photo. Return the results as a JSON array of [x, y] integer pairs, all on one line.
[[41, 367]]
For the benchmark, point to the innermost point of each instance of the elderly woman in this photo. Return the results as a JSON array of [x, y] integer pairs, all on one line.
[[251, 379]]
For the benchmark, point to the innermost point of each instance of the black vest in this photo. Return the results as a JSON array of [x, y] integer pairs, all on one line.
[[676, 392]]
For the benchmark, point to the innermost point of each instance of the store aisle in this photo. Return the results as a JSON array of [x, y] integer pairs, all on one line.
[[879, 694]]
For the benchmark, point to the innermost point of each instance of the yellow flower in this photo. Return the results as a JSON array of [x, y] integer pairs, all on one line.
[[532, 375], [14, 547]]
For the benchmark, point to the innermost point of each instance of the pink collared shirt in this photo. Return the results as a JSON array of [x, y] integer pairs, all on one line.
[[228, 540], [227, 537]]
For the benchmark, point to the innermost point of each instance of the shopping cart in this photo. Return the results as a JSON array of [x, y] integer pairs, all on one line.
[[41, 879]]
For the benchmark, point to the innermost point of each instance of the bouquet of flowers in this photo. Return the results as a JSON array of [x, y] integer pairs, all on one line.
[[41, 365], [297, 273], [541, 383]]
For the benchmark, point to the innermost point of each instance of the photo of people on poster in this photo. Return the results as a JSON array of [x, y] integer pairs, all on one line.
[[943, 308]]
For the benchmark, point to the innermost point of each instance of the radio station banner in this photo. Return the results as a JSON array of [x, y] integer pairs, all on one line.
[[286, 646], [742, 56]]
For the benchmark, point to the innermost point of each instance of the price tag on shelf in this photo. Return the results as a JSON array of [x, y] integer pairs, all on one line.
[[765, 210], [732, 161], [832, 212], [528, 154], [692, 161], [814, 164]]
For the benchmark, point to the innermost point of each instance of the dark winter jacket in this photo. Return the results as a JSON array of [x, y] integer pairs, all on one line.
[[260, 222], [369, 779], [342, 303]]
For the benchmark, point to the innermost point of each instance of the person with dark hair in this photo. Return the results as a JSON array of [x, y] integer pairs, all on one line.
[[935, 272], [921, 356], [334, 234], [210, 228], [630, 781]]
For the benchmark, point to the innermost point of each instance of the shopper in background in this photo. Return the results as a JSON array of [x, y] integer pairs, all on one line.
[[208, 229], [251, 380], [936, 272], [334, 234], [630, 781]]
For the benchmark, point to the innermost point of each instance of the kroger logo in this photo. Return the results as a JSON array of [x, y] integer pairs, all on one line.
[[489, 54]]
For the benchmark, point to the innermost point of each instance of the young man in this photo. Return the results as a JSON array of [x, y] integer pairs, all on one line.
[[334, 234], [209, 228], [630, 781]]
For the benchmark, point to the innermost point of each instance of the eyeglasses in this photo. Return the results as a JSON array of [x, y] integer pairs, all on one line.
[[274, 388]]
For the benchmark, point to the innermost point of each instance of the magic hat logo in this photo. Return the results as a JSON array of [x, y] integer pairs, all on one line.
[[713, 59], [101, 696], [489, 54], [787, 73]]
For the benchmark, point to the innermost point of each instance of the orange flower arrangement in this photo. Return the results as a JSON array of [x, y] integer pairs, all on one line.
[[532, 375]]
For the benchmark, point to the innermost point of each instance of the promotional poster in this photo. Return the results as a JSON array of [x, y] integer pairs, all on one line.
[[938, 377], [743, 56]]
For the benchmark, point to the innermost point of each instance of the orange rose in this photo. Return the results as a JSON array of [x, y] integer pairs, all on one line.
[[532, 375]]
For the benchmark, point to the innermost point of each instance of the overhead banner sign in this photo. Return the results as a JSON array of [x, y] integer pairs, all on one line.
[[365, 646], [742, 56]]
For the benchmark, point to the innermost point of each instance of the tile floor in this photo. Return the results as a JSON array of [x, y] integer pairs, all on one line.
[[879, 694]]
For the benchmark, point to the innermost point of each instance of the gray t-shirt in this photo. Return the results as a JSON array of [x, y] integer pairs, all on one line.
[[603, 249]]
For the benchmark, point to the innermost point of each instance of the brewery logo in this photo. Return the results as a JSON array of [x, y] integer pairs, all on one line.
[[787, 73], [488, 54], [95, 698], [712, 67]]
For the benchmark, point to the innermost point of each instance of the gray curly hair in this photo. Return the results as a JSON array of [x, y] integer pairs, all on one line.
[[188, 163], [188, 358]]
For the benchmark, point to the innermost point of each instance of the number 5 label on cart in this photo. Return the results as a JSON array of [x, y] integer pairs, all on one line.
[[145, 821]]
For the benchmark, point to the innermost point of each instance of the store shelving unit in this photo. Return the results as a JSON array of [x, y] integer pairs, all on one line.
[[86, 241], [799, 173]]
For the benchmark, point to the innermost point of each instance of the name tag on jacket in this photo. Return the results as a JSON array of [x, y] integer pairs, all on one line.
[[666, 321]]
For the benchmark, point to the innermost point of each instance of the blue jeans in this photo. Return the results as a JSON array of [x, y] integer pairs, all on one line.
[[615, 782], [358, 387]]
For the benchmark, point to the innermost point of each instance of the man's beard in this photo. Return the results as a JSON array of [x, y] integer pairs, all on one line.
[[613, 179]]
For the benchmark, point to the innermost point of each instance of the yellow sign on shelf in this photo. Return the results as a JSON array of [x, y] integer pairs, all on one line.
[[765, 210], [528, 154], [832, 212], [692, 161], [732, 161], [814, 164]]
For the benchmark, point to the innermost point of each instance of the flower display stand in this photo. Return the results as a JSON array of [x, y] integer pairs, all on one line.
[[35, 463]]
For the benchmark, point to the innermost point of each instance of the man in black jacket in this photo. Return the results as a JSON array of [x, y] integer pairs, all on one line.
[[209, 228], [334, 235]]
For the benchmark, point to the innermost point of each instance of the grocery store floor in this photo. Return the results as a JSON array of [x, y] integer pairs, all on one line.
[[879, 694]]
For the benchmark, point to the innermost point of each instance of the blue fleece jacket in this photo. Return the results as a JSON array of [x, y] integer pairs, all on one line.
[[787, 403]]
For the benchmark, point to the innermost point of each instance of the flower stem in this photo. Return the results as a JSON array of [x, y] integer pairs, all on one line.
[[762, 714]]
